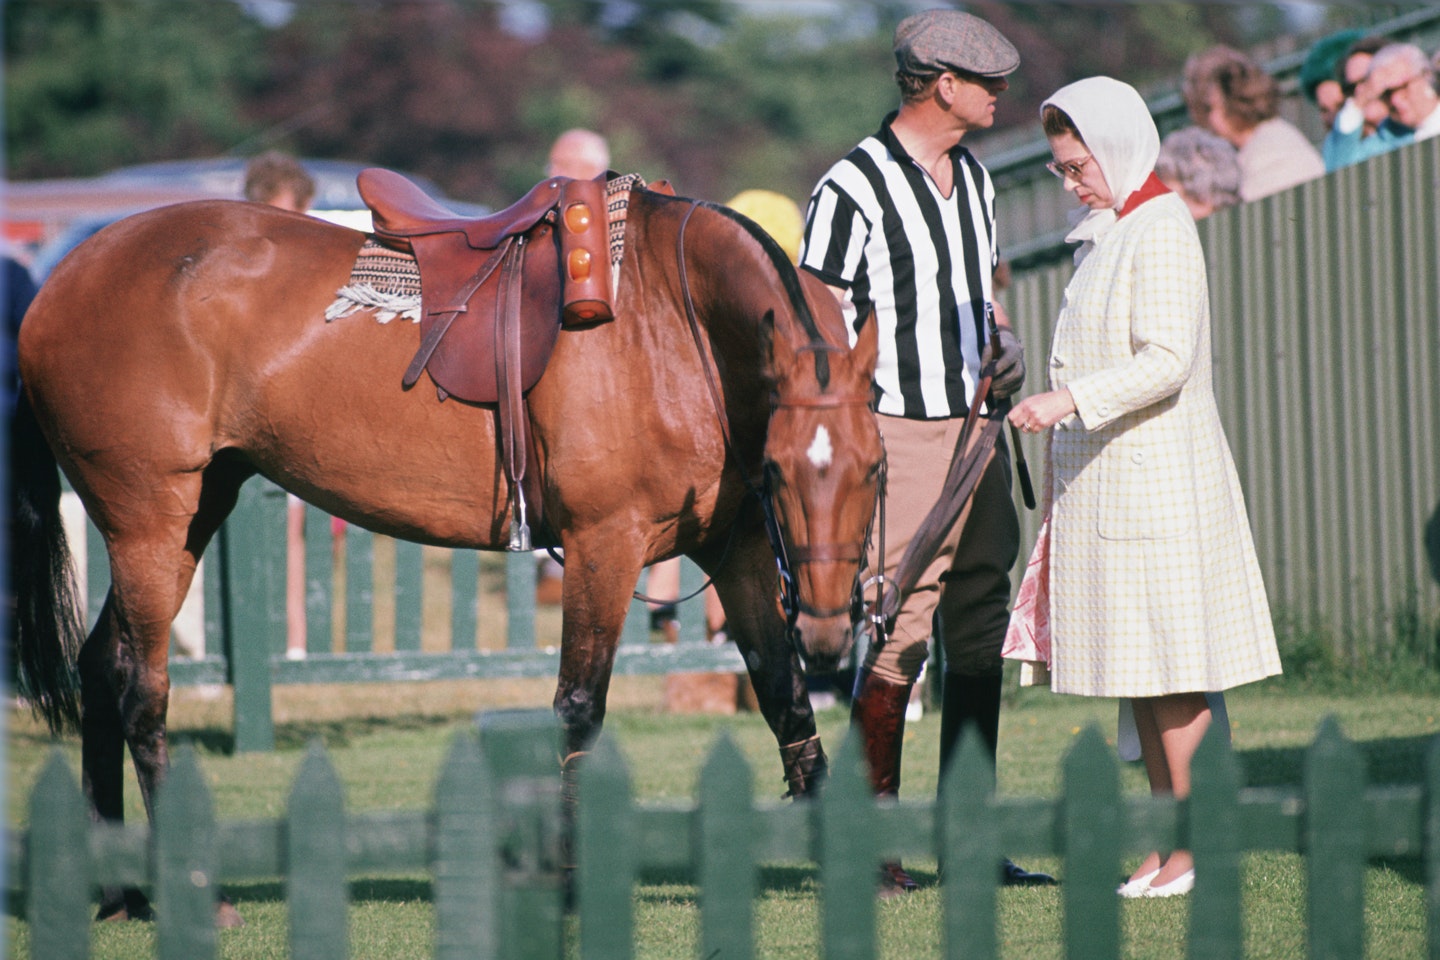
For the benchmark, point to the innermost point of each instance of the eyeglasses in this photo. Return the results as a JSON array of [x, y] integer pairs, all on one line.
[[1389, 92], [1074, 169]]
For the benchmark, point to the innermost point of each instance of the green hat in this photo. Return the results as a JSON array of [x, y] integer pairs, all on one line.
[[1323, 58]]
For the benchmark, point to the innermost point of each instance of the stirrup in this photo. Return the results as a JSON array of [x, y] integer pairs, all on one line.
[[519, 528]]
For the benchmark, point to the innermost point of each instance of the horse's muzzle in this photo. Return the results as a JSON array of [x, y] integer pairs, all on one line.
[[824, 640]]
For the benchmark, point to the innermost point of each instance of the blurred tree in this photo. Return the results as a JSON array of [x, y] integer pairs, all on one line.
[[91, 86], [706, 93]]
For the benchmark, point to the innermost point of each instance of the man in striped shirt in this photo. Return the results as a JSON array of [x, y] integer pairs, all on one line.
[[904, 226]]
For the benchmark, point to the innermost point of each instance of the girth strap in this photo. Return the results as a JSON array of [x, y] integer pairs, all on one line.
[[514, 418]]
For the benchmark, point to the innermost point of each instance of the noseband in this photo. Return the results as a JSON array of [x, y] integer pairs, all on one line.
[[790, 601]]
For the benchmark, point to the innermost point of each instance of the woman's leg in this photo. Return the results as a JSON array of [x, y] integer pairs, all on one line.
[[1170, 728], [1153, 756]]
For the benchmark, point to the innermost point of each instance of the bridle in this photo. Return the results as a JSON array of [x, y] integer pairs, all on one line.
[[790, 601], [804, 553]]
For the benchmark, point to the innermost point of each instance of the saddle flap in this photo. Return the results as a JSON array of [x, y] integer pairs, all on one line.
[[462, 363]]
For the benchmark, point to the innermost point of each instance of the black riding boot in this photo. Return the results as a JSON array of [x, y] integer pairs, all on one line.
[[879, 709], [976, 700]]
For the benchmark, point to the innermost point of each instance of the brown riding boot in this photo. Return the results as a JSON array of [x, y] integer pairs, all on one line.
[[879, 709]]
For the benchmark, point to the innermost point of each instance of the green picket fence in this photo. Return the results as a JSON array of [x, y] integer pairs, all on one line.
[[493, 844]]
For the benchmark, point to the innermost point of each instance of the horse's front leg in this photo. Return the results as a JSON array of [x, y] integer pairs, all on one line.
[[596, 593], [746, 583]]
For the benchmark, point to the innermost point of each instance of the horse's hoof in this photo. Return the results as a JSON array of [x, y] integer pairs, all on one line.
[[227, 917], [132, 905], [895, 882]]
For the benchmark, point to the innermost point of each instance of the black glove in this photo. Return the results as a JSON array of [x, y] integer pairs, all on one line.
[[1008, 354]]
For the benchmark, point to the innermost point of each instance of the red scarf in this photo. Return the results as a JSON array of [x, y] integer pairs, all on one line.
[[1149, 190]]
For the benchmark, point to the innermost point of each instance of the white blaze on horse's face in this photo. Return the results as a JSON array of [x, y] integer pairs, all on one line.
[[820, 452]]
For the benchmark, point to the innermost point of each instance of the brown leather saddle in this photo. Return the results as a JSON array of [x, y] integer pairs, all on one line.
[[494, 292], [494, 285]]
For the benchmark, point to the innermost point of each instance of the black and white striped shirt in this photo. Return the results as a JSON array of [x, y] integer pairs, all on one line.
[[878, 228]]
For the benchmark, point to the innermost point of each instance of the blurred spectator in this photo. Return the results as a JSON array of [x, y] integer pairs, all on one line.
[[1403, 78], [578, 154], [1320, 73], [1203, 169], [1232, 96], [1361, 129], [776, 214], [279, 180]]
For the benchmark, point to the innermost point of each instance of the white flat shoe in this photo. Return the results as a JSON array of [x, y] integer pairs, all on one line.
[[1180, 885], [1133, 889]]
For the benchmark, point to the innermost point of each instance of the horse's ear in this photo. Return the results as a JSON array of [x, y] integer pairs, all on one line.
[[866, 351]]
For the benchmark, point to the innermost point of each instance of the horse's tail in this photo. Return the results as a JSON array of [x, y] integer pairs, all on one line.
[[48, 627]]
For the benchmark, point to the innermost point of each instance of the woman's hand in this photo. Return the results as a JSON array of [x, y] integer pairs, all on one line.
[[1042, 411]]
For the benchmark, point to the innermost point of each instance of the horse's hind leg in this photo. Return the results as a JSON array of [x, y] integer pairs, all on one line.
[[124, 672], [745, 583]]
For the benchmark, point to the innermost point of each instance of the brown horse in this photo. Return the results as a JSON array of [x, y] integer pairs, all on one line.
[[181, 351]]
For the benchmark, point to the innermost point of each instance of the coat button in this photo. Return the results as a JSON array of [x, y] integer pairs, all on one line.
[[1103, 411], [1138, 456]]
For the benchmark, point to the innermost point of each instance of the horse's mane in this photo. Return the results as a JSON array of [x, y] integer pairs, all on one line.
[[790, 280]]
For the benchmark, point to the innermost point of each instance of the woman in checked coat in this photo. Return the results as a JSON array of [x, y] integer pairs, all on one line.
[[1154, 591]]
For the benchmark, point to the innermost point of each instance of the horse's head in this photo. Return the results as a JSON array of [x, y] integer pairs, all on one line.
[[823, 462]]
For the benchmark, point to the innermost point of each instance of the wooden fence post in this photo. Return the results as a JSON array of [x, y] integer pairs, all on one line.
[[316, 866], [969, 848], [848, 856], [1430, 826], [464, 600], [520, 601], [1214, 837], [254, 566], [319, 581], [523, 749], [1091, 818], [58, 867], [409, 594], [185, 859], [359, 590], [725, 849], [604, 846], [466, 863], [691, 615], [1334, 842]]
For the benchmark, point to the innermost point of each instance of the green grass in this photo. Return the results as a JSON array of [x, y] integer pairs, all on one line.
[[387, 744]]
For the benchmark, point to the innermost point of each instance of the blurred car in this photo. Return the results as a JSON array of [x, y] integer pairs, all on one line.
[[85, 206]]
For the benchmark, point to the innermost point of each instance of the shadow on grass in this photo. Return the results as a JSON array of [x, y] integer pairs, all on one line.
[[334, 734], [1388, 761], [362, 890]]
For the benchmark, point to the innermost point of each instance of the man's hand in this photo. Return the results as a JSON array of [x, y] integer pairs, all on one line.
[[1008, 354]]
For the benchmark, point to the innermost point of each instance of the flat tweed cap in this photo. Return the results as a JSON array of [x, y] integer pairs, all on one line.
[[939, 40]]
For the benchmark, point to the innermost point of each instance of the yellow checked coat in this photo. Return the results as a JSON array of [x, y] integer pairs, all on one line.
[[1154, 584]]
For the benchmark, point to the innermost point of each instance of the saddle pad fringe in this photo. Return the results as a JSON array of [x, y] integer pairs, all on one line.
[[384, 280], [617, 204]]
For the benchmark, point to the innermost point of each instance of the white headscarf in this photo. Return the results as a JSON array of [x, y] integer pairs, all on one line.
[[1115, 124]]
